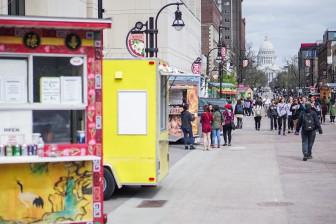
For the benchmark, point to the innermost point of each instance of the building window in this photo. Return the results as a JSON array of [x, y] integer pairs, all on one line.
[[226, 28], [16, 7], [227, 3], [227, 37], [227, 20]]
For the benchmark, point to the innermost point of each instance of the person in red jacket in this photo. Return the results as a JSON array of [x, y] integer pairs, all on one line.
[[206, 120]]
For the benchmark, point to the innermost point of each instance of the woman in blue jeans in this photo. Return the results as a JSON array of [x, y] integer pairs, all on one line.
[[216, 126]]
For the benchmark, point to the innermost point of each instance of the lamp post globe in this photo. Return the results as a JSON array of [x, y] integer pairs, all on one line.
[[178, 23]]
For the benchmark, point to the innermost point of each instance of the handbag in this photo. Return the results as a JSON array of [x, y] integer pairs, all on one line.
[[233, 126]]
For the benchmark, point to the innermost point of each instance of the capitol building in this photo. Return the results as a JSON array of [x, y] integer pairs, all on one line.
[[266, 60]]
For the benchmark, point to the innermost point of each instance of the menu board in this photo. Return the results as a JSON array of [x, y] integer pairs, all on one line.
[[71, 90], [50, 90]]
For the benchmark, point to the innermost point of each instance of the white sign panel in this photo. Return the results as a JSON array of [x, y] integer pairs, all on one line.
[[132, 113], [13, 80], [16, 127], [50, 90], [71, 90]]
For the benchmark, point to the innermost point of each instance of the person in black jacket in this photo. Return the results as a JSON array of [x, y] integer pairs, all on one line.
[[273, 115], [187, 118], [309, 124]]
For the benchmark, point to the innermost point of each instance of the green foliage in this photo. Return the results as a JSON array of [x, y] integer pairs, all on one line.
[[229, 78]]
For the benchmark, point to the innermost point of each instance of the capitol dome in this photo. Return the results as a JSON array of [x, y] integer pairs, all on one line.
[[266, 54], [266, 60], [266, 46]]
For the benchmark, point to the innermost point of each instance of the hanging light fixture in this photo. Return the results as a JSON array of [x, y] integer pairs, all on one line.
[[178, 23]]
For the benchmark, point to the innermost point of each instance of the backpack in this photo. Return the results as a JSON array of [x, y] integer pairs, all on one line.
[[240, 109], [308, 122], [228, 116]]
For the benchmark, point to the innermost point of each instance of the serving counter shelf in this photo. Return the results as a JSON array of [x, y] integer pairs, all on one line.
[[38, 159]]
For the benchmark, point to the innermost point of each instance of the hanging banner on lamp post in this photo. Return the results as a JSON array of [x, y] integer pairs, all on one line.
[[136, 44]]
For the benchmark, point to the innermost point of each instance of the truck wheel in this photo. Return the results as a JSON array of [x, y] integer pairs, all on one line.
[[109, 184]]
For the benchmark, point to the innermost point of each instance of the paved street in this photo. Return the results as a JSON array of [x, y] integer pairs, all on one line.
[[260, 179]]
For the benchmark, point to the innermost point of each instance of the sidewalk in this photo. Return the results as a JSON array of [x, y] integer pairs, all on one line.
[[259, 180]]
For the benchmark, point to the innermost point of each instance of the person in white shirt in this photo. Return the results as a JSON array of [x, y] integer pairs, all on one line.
[[289, 115], [282, 116]]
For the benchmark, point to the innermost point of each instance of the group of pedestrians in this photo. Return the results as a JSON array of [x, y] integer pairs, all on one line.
[[292, 115], [213, 122]]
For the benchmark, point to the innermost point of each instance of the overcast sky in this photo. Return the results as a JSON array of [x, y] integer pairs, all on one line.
[[287, 23]]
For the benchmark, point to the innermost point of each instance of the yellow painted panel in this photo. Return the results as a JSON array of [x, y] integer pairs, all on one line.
[[132, 157], [10, 40], [163, 155], [50, 192], [60, 41]]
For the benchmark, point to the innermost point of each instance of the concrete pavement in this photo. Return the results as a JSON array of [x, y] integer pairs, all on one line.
[[260, 179]]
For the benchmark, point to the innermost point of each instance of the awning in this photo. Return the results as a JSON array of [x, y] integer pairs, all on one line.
[[55, 22]]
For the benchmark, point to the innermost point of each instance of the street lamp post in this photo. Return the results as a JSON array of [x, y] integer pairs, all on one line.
[[151, 30]]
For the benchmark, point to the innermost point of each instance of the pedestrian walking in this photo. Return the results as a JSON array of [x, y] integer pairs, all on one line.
[[290, 115], [324, 110], [282, 116], [217, 126], [332, 111], [239, 113], [228, 124], [257, 114], [187, 118], [273, 115], [247, 104], [309, 124], [211, 111], [295, 112], [206, 120]]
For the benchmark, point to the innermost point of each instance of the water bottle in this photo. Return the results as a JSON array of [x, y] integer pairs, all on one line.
[[40, 147]]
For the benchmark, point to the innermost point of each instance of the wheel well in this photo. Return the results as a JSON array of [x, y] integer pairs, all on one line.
[[114, 176]]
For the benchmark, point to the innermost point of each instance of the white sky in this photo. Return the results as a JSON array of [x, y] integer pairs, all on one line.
[[287, 23]]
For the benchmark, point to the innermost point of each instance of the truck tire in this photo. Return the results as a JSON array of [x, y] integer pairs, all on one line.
[[109, 184]]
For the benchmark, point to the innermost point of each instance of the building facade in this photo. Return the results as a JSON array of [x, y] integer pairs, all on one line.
[[234, 31], [266, 60], [178, 48], [211, 20], [326, 54], [308, 64]]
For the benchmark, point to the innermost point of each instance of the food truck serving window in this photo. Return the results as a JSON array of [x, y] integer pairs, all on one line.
[[163, 102], [52, 89]]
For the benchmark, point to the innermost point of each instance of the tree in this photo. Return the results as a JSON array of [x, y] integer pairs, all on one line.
[[251, 75], [288, 78]]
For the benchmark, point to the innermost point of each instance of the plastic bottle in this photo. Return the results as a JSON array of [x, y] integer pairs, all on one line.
[[40, 147]]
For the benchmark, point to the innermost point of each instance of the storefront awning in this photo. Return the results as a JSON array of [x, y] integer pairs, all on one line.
[[55, 22]]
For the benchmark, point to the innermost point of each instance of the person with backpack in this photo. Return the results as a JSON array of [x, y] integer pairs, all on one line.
[[186, 119], [216, 126], [282, 116], [206, 120], [228, 124], [257, 114], [309, 123], [239, 113], [273, 115]]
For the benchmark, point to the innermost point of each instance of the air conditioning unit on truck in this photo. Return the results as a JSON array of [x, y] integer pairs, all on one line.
[[135, 134]]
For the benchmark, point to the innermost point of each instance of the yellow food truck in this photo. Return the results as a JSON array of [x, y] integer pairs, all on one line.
[[135, 135]]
